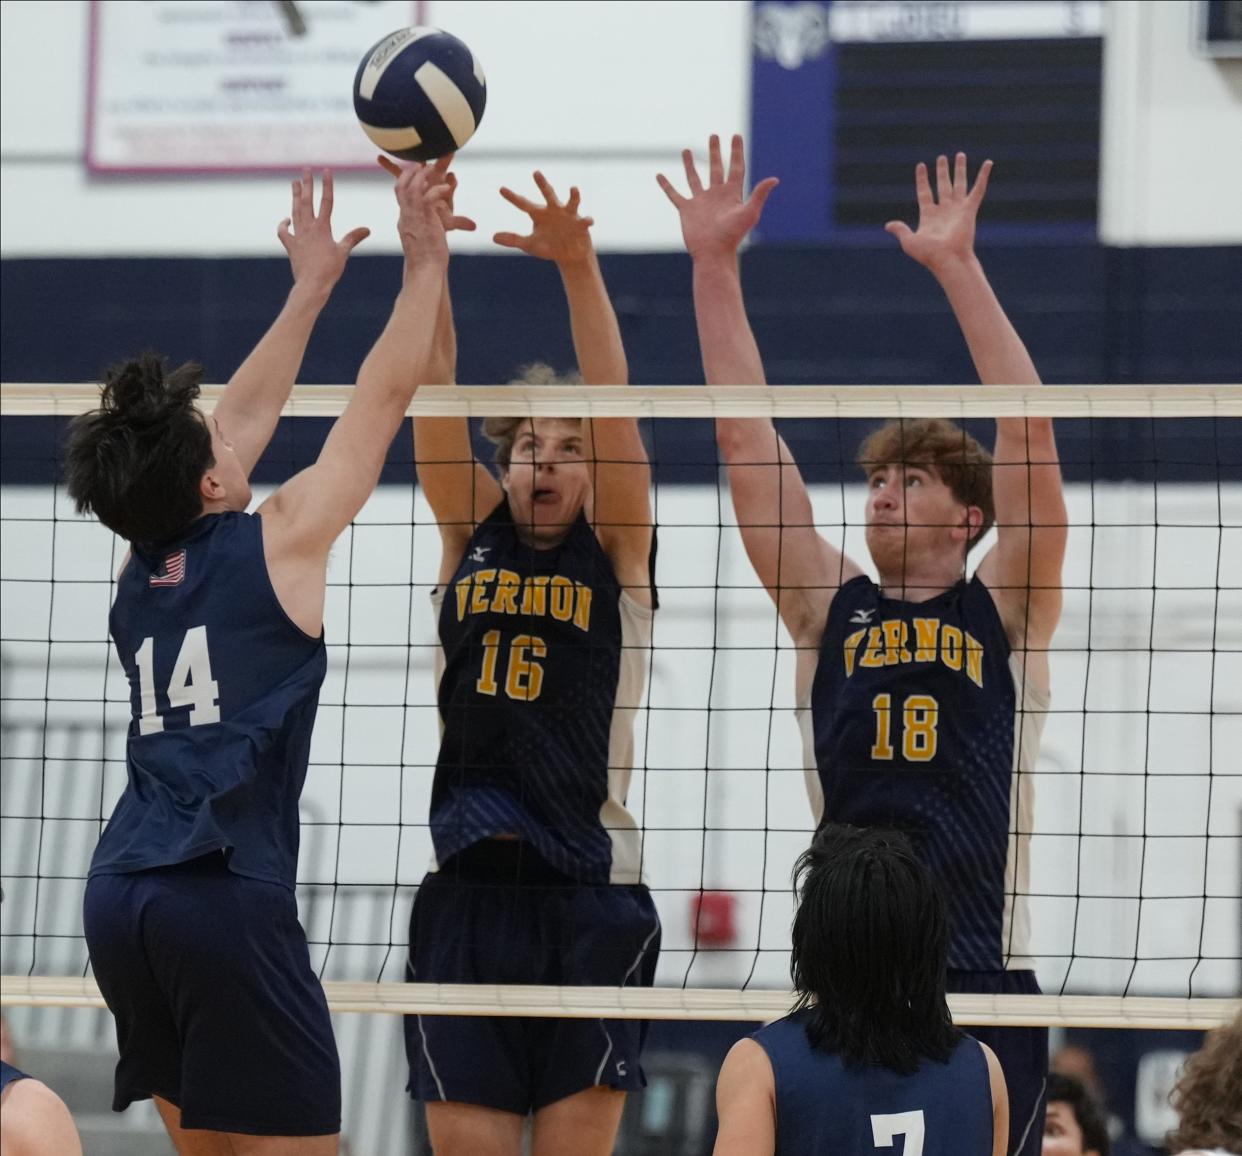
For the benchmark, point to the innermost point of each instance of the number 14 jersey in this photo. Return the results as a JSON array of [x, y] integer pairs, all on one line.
[[914, 724]]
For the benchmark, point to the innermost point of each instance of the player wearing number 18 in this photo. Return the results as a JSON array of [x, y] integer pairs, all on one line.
[[190, 914], [922, 697]]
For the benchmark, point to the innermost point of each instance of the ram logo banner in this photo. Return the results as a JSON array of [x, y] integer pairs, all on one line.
[[848, 94]]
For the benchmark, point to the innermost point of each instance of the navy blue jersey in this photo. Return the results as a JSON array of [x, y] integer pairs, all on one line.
[[822, 1105], [544, 658], [223, 693], [10, 1074], [916, 727]]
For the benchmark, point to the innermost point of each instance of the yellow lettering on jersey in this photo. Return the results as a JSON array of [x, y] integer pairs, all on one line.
[[896, 632], [974, 660], [850, 646], [582, 611], [478, 600], [504, 601], [535, 596], [926, 631], [951, 647], [562, 598], [462, 590], [874, 654]]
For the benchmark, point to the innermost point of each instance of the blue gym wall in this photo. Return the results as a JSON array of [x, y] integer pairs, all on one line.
[[849, 314]]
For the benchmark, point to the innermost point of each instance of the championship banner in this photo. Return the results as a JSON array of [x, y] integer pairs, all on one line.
[[193, 86]]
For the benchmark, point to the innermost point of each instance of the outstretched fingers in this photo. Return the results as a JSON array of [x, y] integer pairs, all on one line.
[[326, 198], [519, 201], [715, 165], [922, 187], [692, 173], [673, 195], [981, 182], [760, 193], [549, 193], [737, 160], [944, 187]]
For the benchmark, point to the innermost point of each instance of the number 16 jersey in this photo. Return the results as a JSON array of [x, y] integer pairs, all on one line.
[[541, 669]]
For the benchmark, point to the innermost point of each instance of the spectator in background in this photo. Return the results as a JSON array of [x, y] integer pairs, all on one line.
[[1208, 1097], [1075, 1124]]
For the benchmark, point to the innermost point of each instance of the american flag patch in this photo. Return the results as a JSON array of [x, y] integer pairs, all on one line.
[[173, 571]]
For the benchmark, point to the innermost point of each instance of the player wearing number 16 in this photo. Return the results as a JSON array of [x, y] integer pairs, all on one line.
[[544, 608], [190, 914]]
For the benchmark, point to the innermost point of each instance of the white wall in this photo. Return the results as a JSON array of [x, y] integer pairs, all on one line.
[[600, 94], [1172, 142], [584, 91]]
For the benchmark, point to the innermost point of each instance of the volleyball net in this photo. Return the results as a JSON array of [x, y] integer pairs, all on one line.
[[1133, 833]]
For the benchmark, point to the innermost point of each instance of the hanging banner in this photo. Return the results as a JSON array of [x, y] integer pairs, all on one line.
[[192, 86]]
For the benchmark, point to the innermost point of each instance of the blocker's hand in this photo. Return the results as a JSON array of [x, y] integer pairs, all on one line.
[[438, 172], [946, 232], [715, 219], [317, 259], [557, 233], [424, 216]]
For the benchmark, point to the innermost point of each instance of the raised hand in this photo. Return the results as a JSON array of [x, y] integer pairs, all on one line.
[[423, 194], [317, 259], [946, 231], [715, 219], [557, 232], [437, 172]]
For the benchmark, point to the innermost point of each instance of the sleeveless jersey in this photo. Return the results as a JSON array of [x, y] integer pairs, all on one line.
[[824, 1106], [542, 667], [914, 725], [223, 692]]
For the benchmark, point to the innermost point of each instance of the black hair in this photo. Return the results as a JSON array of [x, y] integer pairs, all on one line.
[[870, 950], [137, 461], [1087, 1111]]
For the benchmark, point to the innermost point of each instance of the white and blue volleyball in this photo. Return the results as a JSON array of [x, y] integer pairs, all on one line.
[[419, 94]]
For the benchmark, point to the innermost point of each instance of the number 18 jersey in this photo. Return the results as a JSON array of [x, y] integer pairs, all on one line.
[[915, 725]]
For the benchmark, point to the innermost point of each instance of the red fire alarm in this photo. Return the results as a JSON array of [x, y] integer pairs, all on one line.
[[713, 920]]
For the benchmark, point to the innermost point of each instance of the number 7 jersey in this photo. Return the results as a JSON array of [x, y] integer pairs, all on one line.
[[542, 666], [223, 690], [917, 721]]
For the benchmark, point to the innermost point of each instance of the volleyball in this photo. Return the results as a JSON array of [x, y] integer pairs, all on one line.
[[419, 93]]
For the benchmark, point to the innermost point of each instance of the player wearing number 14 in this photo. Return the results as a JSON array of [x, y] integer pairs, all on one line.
[[190, 913]]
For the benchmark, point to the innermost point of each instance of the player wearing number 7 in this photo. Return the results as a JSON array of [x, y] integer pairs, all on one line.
[[190, 913], [922, 697], [544, 608], [869, 1062]]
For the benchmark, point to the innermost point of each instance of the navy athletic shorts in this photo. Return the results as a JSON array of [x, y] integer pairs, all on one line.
[[497, 913], [217, 1009], [1023, 1055]]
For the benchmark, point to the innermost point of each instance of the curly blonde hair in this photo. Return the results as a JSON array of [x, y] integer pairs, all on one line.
[[1208, 1096], [503, 431]]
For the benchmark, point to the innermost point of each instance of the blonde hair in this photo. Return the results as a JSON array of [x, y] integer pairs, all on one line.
[[502, 431], [942, 447]]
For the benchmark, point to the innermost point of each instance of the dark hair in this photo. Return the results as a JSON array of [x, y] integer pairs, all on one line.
[[870, 949], [953, 455], [137, 461], [1087, 1111], [1209, 1092]]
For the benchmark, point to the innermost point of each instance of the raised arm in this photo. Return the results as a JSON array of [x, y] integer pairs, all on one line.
[[306, 515], [621, 473], [251, 403], [1023, 570], [799, 569]]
